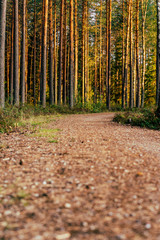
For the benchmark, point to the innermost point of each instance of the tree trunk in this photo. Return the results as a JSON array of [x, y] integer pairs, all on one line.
[[44, 53], [55, 54], [109, 53], [158, 55], [100, 53], [123, 80], [137, 56], [83, 51], [3, 5], [16, 56], [131, 60], [143, 51], [34, 64], [60, 54], [107, 49], [11, 63], [23, 49], [76, 52], [86, 77], [51, 99], [71, 57], [95, 73], [65, 53], [126, 58]]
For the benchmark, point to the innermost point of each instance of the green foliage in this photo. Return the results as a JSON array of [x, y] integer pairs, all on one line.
[[144, 118], [13, 117]]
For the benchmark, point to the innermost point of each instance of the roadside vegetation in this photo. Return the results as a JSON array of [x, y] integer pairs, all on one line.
[[30, 116], [147, 117]]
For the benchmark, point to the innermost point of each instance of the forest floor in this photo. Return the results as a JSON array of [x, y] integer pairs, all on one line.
[[95, 180]]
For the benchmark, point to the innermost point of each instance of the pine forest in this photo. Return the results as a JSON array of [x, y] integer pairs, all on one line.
[[69, 52]]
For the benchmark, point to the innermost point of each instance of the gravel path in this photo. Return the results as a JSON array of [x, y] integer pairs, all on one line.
[[100, 181]]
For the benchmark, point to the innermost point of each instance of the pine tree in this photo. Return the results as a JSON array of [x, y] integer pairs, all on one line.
[[71, 57], [23, 50], [16, 56], [3, 5], [44, 53]]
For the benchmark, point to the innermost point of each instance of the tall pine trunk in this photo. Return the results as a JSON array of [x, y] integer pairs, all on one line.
[[60, 53], [106, 49], [16, 56], [158, 55], [109, 53], [51, 99], [131, 60], [65, 53], [86, 77], [3, 5], [23, 49], [71, 77], [11, 63], [76, 53], [55, 54], [83, 51], [44, 53], [143, 51], [35, 50], [100, 53], [95, 66], [123, 80], [126, 58], [137, 56]]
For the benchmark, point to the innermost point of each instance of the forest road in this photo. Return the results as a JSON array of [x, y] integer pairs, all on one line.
[[99, 181]]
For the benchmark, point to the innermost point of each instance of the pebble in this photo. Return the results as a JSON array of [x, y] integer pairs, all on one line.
[[148, 226], [67, 205], [63, 236]]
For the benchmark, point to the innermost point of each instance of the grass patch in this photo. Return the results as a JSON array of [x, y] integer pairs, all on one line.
[[47, 133], [143, 118]]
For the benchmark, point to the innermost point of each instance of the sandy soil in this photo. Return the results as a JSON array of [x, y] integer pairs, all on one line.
[[100, 181]]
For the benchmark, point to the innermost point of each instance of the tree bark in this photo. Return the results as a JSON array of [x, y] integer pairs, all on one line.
[[83, 51], [3, 5], [95, 65], [44, 53], [86, 77], [158, 56], [131, 59], [126, 58], [76, 52], [137, 56], [65, 53], [35, 50], [11, 63], [16, 56], [109, 53], [123, 80], [100, 53], [51, 99], [60, 54], [23, 54], [71, 77], [55, 54], [143, 51]]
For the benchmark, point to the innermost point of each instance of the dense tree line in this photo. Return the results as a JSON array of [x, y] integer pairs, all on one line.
[[64, 52]]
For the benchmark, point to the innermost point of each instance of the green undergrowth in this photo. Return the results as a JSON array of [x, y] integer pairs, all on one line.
[[34, 117], [31, 116], [146, 117]]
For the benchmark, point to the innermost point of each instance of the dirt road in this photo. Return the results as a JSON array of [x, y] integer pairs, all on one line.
[[100, 181]]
